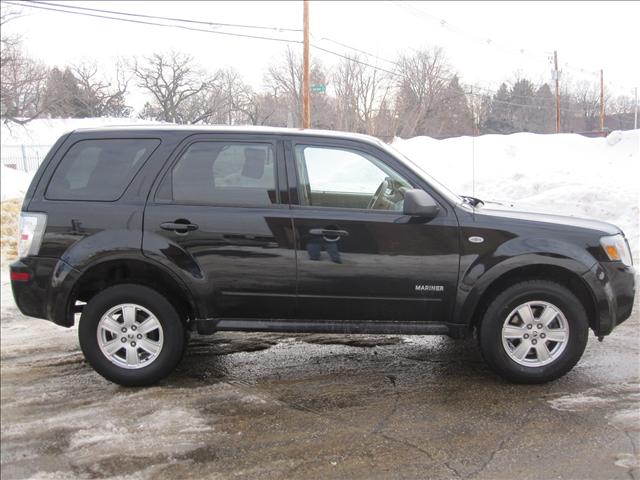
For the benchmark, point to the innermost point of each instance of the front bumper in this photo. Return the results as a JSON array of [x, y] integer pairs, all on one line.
[[44, 291], [613, 287]]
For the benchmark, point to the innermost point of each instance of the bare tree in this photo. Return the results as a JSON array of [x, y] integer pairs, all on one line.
[[285, 80], [21, 87], [207, 106], [620, 113], [172, 79], [480, 106], [227, 100], [98, 96], [360, 90], [21, 79], [9, 42], [239, 98], [586, 103], [424, 75], [266, 109]]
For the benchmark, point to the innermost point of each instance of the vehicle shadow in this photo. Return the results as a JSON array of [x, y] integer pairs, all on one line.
[[255, 358]]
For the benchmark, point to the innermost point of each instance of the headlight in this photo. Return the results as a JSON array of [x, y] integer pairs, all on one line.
[[617, 249]]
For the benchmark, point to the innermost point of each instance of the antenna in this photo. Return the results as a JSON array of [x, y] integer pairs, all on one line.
[[473, 170], [473, 153]]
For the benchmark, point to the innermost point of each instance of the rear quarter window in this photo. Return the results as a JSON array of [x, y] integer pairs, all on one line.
[[99, 169]]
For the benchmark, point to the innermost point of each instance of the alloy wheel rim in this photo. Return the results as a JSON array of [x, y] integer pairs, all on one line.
[[535, 334], [130, 336]]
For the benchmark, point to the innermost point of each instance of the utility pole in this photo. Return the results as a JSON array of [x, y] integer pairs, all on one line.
[[635, 121], [557, 75], [306, 105], [601, 103]]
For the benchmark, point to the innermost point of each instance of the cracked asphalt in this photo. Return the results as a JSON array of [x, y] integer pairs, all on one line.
[[315, 406]]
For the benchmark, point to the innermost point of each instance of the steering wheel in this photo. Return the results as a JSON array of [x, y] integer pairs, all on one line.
[[379, 191]]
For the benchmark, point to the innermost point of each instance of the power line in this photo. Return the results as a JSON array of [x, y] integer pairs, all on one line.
[[260, 37], [487, 41], [364, 52], [542, 57], [143, 22], [397, 65], [356, 60], [219, 24], [41, 5], [184, 20], [487, 91]]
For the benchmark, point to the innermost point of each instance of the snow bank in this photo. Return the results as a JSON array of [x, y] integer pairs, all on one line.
[[14, 183], [566, 173], [45, 131]]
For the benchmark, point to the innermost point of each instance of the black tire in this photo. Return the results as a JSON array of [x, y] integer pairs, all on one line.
[[174, 337], [490, 334]]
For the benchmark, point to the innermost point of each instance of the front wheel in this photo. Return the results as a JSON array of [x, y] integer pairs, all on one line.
[[131, 335], [534, 332]]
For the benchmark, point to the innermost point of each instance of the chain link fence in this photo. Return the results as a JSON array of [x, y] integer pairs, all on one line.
[[26, 158]]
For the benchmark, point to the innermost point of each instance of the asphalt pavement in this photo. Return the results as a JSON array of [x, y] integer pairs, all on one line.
[[315, 406]]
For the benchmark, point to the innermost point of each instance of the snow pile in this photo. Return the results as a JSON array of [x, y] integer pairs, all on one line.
[[566, 174], [14, 183]]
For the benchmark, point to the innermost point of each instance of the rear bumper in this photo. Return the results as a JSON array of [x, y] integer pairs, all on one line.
[[613, 288], [44, 288]]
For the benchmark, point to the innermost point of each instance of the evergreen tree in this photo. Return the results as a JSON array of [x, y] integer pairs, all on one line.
[[544, 117], [522, 108], [453, 117], [62, 95], [499, 115]]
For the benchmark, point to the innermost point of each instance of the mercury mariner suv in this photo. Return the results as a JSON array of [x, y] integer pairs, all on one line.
[[144, 234]]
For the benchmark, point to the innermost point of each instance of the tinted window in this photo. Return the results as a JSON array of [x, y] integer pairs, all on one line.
[[99, 169], [337, 177], [225, 173]]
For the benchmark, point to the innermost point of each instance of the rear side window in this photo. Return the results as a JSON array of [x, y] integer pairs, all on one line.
[[225, 173], [99, 169]]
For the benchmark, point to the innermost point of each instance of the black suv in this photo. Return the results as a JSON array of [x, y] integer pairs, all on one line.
[[151, 232]]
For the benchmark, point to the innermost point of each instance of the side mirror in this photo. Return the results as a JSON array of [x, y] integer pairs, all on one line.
[[419, 203]]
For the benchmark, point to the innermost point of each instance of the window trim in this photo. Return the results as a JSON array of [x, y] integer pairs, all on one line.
[[339, 144], [188, 142], [321, 208], [64, 155]]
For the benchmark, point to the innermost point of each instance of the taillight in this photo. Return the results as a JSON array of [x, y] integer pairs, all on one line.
[[32, 226], [20, 276]]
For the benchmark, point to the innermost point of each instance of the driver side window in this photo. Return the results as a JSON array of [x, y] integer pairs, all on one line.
[[344, 178]]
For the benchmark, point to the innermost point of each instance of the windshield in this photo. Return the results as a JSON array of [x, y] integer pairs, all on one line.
[[441, 188]]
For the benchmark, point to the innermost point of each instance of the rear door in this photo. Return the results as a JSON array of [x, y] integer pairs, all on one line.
[[217, 217], [359, 257]]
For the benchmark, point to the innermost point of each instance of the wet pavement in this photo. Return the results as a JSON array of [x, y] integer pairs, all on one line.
[[315, 406]]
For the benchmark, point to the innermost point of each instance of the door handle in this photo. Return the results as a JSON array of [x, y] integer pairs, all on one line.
[[324, 232], [179, 227]]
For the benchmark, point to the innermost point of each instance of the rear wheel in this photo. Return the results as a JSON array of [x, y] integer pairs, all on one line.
[[131, 335], [534, 332]]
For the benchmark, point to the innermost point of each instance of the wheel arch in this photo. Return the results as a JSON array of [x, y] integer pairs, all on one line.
[[558, 274], [142, 272]]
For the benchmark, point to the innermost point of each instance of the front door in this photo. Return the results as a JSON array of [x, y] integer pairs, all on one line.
[[358, 256], [217, 218]]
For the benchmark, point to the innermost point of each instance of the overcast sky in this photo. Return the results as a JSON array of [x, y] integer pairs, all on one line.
[[487, 42]]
